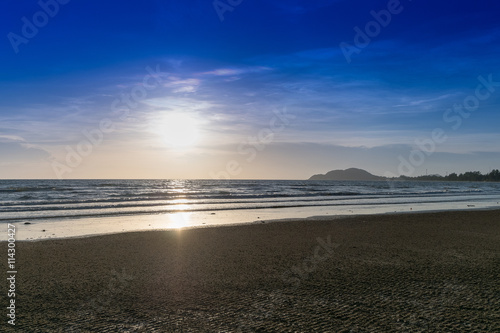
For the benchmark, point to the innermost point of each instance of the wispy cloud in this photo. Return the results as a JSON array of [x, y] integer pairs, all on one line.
[[11, 138], [231, 71], [427, 100], [178, 85]]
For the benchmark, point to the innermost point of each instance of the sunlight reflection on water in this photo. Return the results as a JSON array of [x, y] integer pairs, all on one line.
[[178, 220]]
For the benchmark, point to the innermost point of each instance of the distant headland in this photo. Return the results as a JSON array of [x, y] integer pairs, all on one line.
[[363, 175], [348, 174]]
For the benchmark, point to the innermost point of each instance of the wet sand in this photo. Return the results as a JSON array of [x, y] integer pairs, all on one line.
[[431, 272]]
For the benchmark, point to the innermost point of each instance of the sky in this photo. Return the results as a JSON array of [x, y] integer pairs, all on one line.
[[248, 89]]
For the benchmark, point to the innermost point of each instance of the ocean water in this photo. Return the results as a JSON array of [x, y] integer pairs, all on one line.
[[66, 205]]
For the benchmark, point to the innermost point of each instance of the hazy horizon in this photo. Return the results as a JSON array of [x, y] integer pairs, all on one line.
[[248, 90], [243, 179]]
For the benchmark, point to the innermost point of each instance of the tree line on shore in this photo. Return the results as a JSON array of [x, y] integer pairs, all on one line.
[[469, 176]]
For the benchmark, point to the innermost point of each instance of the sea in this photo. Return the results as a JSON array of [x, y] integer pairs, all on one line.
[[41, 209]]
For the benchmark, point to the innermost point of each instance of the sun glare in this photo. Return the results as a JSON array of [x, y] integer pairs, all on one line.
[[179, 220], [178, 130]]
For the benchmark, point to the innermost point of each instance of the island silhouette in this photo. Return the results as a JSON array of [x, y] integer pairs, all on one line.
[[363, 175], [347, 174]]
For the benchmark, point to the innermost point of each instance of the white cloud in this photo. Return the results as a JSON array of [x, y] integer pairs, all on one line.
[[237, 71], [183, 85], [10, 138]]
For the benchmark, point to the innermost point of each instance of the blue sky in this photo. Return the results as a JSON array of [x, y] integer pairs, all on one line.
[[267, 92]]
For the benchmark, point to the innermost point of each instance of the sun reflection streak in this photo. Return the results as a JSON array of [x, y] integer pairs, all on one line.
[[181, 216], [182, 207], [176, 202], [179, 220]]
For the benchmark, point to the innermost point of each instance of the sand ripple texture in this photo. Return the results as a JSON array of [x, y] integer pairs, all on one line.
[[435, 272]]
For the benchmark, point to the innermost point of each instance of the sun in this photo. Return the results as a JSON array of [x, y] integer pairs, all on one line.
[[177, 130]]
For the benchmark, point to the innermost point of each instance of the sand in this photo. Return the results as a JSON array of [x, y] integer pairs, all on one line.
[[432, 272]]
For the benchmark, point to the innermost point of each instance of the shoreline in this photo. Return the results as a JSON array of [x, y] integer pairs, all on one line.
[[256, 221]]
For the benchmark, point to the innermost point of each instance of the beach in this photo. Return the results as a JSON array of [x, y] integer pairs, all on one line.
[[413, 272]]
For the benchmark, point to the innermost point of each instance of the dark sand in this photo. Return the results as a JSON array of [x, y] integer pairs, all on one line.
[[435, 272]]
